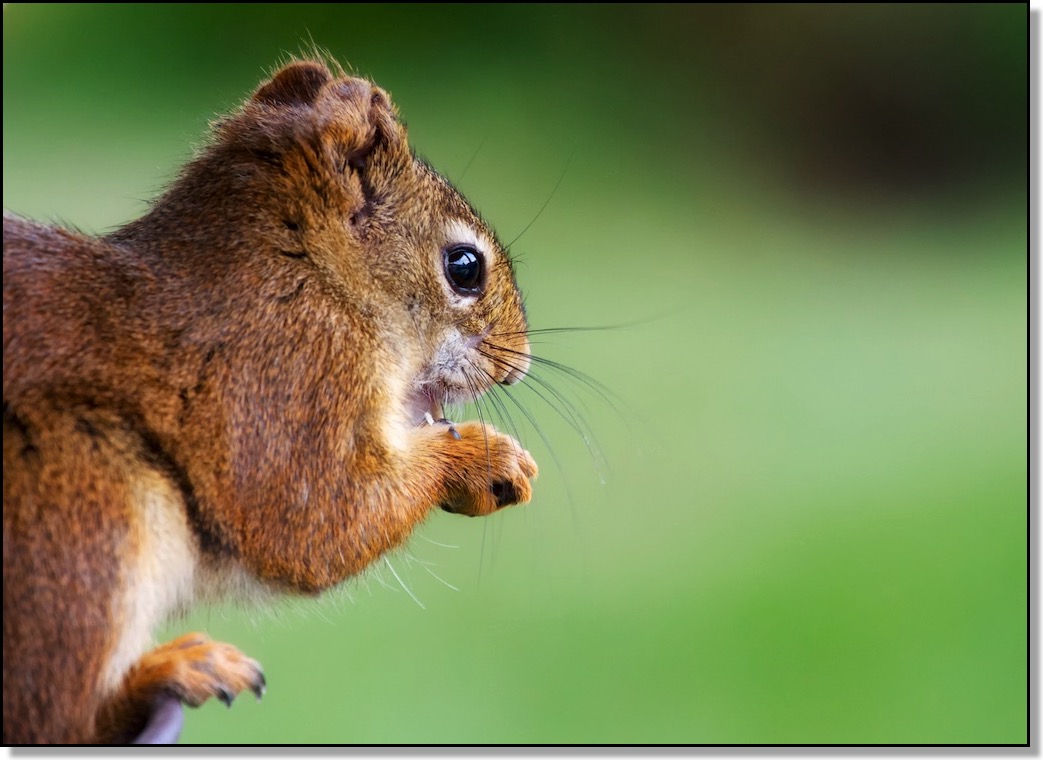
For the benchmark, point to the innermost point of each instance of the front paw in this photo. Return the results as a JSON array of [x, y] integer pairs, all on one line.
[[490, 471]]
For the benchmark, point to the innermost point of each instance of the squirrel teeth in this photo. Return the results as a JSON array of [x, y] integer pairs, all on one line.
[[436, 414]]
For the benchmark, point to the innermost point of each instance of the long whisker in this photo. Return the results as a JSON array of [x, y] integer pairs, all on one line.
[[598, 387], [603, 391], [592, 328], [402, 583], [473, 157], [552, 330], [497, 404], [475, 395], [412, 559], [546, 202], [566, 404], [422, 537], [535, 426], [475, 398], [564, 408]]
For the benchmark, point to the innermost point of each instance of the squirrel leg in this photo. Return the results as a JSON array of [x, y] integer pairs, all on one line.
[[192, 668], [66, 529]]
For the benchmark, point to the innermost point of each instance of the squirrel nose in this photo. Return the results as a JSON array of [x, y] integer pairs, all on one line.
[[520, 363]]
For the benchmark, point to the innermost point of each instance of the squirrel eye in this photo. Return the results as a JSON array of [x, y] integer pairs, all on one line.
[[463, 269]]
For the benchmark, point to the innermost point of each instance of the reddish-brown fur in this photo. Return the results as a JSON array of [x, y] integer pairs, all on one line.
[[247, 351]]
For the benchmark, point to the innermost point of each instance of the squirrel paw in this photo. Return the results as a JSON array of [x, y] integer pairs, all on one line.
[[493, 471], [194, 668]]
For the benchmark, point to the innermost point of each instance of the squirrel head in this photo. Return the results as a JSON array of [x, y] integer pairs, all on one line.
[[331, 185]]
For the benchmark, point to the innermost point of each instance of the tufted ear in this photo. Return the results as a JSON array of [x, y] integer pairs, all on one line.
[[297, 84]]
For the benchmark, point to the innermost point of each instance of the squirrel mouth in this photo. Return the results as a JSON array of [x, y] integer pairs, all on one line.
[[435, 411], [428, 410], [428, 399], [426, 405]]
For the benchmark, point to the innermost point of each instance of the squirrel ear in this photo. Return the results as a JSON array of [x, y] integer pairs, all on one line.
[[297, 84]]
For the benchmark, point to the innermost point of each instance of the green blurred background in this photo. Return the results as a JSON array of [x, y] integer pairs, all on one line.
[[802, 516]]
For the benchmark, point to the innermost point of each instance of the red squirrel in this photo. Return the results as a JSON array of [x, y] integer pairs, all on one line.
[[240, 392]]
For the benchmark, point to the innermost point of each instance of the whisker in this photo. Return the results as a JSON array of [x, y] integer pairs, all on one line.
[[546, 202], [473, 157], [605, 393], [593, 328], [497, 404], [543, 437], [565, 408], [426, 566], [598, 387], [475, 396], [422, 537], [402, 583], [552, 330], [568, 412], [546, 442], [532, 420], [439, 578]]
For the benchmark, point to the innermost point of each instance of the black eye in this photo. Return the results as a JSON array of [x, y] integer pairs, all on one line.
[[463, 268]]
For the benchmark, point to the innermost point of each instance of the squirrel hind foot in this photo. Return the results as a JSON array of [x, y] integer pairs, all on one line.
[[192, 668]]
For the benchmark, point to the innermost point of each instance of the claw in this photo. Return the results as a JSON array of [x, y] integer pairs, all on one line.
[[436, 415], [260, 687], [452, 428], [225, 695]]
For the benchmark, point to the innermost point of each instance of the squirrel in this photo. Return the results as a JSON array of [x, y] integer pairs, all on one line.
[[239, 393]]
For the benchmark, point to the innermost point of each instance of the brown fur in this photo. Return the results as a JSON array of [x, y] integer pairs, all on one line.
[[227, 388]]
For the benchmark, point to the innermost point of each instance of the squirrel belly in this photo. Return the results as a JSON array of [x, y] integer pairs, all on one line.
[[227, 397]]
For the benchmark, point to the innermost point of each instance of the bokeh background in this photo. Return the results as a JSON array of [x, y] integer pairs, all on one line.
[[798, 513]]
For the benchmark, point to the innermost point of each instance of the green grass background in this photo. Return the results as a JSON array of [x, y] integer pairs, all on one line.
[[804, 517]]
